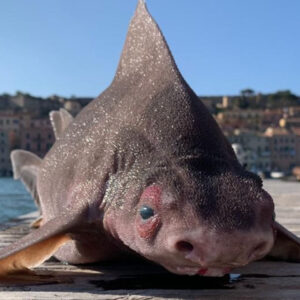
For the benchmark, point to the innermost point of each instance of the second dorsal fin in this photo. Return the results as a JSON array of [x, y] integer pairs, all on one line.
[[60, 120]]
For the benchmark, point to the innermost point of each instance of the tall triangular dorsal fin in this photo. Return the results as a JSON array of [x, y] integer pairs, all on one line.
[[146, 52], [147, 73], [25, 167], [60, 120]]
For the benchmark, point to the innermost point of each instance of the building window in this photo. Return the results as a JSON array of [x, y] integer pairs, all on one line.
[[28, 146], [38, 146], [7, 122], [27, 136], [49, 136]]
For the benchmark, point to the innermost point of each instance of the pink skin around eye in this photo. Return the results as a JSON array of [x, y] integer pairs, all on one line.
[[152, 197], [147, 228]]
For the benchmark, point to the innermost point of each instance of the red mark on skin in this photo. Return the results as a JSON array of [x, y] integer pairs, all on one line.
[[147, 228], [202, 271], [152, 195]]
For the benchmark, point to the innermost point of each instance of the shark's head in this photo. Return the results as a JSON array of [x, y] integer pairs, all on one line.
[[199, 216], [178, 195]]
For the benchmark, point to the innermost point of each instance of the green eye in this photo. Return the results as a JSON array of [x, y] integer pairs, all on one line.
[[146, 212]]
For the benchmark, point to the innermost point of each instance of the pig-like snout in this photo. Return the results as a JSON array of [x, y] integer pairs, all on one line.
[[216, 249]]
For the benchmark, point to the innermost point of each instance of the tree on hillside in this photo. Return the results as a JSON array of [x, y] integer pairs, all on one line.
[[247, 93], [282, 99]]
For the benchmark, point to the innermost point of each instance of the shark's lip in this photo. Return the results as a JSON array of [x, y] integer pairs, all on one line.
[[198, 270], [188, 270]]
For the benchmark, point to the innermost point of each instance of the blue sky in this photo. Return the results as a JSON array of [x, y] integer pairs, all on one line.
[[72, 47]]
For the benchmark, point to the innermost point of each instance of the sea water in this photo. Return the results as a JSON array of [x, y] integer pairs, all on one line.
[[14, 199]]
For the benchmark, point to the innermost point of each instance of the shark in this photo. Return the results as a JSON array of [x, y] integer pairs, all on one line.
[[145, 170]]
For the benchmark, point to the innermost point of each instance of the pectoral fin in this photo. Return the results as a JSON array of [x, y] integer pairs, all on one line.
[[60, 120], [287, 245], [32, 256], [35, 248]]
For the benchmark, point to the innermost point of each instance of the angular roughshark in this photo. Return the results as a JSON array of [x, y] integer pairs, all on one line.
[[145, 169]]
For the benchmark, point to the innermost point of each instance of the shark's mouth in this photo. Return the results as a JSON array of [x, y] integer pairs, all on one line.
[[198, 270]]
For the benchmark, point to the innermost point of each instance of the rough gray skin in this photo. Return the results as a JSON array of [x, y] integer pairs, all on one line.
[[148, 140]]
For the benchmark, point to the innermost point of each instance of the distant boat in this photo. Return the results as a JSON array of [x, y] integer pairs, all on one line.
[[277, 175]]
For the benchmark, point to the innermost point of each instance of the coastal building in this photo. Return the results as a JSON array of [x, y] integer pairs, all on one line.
[[37, 136], [226, 103], [9, 139], [241, 118], [34, 105], [25, 102], [296, 132], [255, 147], [5, 165], [282, 144], [289, 122], [271, 117], [294, 111]]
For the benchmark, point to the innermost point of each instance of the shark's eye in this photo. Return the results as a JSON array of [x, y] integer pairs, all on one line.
[[146, 212]]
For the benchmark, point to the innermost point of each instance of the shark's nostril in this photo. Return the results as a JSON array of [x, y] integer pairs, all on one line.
[[184, 246]]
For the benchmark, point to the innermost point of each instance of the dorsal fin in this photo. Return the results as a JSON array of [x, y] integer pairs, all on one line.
[[147, 73], [146, 52], [60, 120], [25, 167]]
